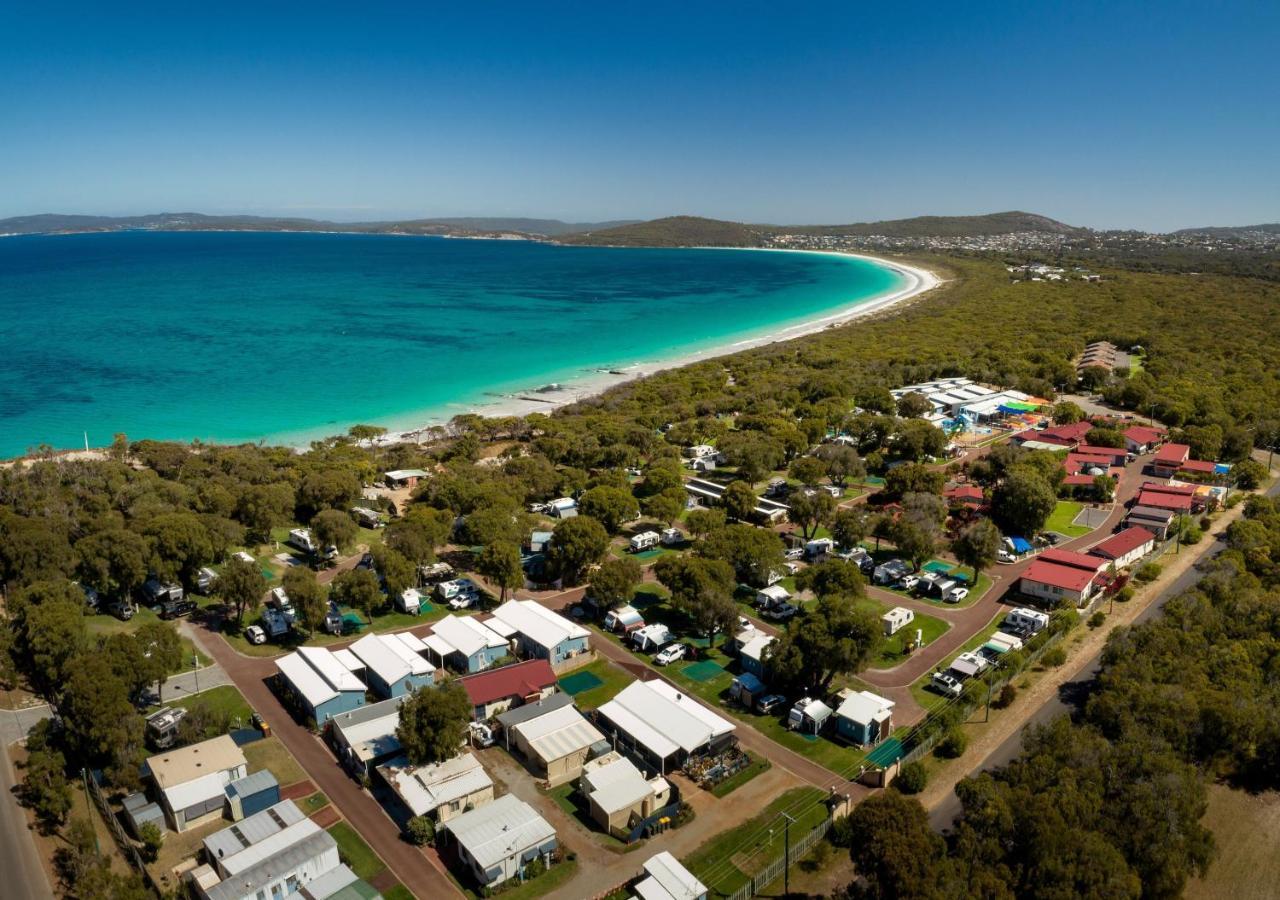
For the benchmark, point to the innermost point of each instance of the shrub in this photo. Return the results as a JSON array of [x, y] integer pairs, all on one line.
[[1007, 695], [1096, 620], [841, 833], [912, 778], [952, 745], [152, 837], [1054, 657], [1125, 594], [420, 831], [1149, 572]]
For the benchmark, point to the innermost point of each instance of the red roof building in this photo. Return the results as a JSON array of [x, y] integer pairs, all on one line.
[[1185, 490], [1117, 455], [1071, 559], [508, 686], [1169, 458], [1049, 581], [1141, 438], [1198, 467], [1165, 500], [1126, 547]]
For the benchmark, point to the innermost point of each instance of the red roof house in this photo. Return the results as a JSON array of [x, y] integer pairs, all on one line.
[[1126, 547], [494, 691], [1141, 438], [1165, 500], [1052, 582], [1169, 458], [1198, 467], [1073, 560]]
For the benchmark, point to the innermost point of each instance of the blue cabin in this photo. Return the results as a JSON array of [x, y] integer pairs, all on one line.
[[393, 664], [865, 718], [252, 794], [538, 632], [467, 644], [322, 686]]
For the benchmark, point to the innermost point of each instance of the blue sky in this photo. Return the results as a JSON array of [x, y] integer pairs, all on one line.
[[1154, 116]]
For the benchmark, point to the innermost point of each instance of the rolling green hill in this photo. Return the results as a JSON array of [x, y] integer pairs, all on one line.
[[674, 231], [946, 226]]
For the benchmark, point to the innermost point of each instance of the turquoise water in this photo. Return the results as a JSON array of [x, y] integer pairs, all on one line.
[[235, 336]]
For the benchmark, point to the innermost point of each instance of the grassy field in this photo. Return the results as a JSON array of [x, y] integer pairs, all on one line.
[[893, 651], [612, 680], [1060, 520], [576, 807], [545, 883], [271, 755], [222, 699], [356, 853], [726, 862], [104, 624], [399, 892], [1245, 827], [314, 803]]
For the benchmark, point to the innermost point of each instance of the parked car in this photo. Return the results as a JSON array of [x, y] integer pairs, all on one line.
[[464, 600], [867, 565], [781, 612], [176, 609], [908, 582], [955, 595], [769, 703], [121, 609], [1005, 556], [669, 654], [744, 623], [255, 635], [946, 684], [795, 553]]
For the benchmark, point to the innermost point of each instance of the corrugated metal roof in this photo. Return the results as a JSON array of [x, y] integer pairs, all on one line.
[[662, 719], [252, 784], [252, 830], [424, 788], [466, 635], [668, 880], [558, 733], [331, 670], [616, 785], [499, 830], [519, 714], [305, 680], [538, 624]]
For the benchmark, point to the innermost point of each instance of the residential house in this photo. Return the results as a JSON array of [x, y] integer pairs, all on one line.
[[664, 878], [320, 683], [392, 667], [442, 790], [1157, 521], [498, 690], [618, 794], [271, 854], [1157, 497], [192, 780], [1169, 459], [552, 735], [753, 649], [498, 840], [365, 737], [339, 884], [465, 644], [539, 632], [1055, 582], [1142, 438], [864, 718], [663, 724], [399, 479], [1126, 547]]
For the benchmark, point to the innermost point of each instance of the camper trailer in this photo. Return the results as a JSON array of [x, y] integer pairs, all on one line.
[[625, 620], [1025, 621], [645, 540], [302, 540], [369, 518], [162, 727], [672, 537], [896, 619], [651, 637], [409, 601]]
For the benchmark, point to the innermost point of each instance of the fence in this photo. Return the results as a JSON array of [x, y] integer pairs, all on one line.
[[126, 845], [773, 869]]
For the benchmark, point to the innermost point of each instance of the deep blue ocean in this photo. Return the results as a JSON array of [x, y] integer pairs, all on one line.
[[248, 336]]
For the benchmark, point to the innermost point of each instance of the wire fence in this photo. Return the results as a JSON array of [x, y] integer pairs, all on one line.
[[772, 870]]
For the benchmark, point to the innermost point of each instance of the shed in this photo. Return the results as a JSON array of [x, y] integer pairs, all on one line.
[[251, 794], [753, 654], [138, 810], [865, 718], [556, 742], [666, 879]]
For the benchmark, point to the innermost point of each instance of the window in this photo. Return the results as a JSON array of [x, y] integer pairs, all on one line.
[[292, 884], [277, 892]]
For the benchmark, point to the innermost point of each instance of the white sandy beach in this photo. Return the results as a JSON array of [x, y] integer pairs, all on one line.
[[589, 384]]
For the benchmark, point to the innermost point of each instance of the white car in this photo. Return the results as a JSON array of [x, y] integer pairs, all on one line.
[[946, 684], [669, 654], [908, 582], [744, 623], [955, 595], [463, 601], [795, 553], [1005, 556], [255, 635]]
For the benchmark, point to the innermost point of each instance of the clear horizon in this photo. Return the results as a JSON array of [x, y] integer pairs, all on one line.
[[1100, 115]]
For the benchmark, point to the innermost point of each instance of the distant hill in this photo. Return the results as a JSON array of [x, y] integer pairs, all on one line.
[[52, 223], [944, 226], [1230, 231], [674, 231], [692, 231]]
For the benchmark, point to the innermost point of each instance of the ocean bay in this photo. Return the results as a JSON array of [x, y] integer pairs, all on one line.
[[235, 336]]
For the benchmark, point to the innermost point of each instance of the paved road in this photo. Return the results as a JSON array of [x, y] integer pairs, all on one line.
[[420, 870], [24, 877], [945, 813]]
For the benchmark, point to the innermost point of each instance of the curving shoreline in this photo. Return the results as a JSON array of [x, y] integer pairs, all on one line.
[[919, 281]]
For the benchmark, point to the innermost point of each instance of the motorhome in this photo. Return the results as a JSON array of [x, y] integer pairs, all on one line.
[[162, 727], [205, 580], [1025, 621], [625, 620], [156, 592]]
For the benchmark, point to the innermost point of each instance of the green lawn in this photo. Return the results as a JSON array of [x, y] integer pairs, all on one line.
[[356, 853], [575, 807], [271, 755], [399, 892], [224, 699], [1060, 520], [545, 883], [892, 653], [721, 861], [105, 624], [932, 700], [612, 680], [733, 782], [314, 803]]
